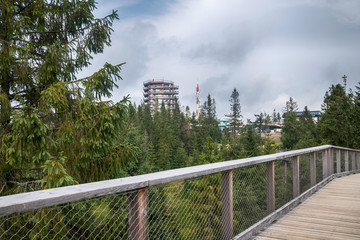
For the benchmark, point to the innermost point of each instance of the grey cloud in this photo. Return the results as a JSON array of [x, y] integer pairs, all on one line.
[[293, 49], [130, 45], [234, 44], [251, 91], [345, 11]]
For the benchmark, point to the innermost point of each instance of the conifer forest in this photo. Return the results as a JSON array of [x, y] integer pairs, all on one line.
[[56, 129]]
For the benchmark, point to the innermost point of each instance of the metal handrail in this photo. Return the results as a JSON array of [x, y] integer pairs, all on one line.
[[44, 198]]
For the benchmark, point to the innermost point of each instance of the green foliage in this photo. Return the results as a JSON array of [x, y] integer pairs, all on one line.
[[291, 129], [291, 106], [56, 173], [251, 142], [208, 120], [52, 121], [270, 146], [336, 124], [235, 111], [49, 118], [260, 121]]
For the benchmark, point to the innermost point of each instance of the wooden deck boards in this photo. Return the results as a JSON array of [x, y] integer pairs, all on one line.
[[332, 213]]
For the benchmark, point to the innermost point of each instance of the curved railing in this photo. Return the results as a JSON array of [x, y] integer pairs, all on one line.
[[214, 201]]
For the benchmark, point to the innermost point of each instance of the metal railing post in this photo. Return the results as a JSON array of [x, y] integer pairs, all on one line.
[[227, 204], [338, 161], [312, 159], [137, 214], [270, 186], [346, 160], [331, 161], [296, 179], [353, 161], [325, 163]]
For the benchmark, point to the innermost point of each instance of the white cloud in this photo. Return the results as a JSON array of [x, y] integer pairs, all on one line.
[[268, 50]]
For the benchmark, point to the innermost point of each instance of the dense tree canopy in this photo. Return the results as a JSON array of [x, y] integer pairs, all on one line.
[[55, 129]]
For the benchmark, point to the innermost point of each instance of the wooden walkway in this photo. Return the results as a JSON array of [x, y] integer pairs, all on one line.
[[332, 213]]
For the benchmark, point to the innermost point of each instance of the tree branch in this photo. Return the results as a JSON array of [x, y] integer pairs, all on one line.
[[24, 183], [25, 7], [2, 187]]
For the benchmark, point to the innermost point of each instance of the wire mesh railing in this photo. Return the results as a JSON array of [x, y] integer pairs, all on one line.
[[96, 218], [249, 186], [214, 201]]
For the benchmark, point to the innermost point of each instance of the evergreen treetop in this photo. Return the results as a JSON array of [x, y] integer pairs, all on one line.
[[235, 108]]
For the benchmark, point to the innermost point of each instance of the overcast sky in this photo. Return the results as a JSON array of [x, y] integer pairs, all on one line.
[[267, 50]]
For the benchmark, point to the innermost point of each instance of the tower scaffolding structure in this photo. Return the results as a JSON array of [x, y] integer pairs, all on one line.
[[158, 91]]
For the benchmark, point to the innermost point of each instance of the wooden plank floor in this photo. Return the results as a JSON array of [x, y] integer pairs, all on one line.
[[332, 213]]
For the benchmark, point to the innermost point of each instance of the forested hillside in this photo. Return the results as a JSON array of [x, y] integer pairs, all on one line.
[[56, 130]]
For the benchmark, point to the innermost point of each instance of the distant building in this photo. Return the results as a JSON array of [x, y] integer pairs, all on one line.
[[313, 113], [158, 91], [225, 122]]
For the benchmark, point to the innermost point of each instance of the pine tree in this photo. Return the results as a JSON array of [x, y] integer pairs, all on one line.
[[259, 122], [356, 118], [208, 120], [274, 116], [250, 142], [235, 111], [307, 133], [291, 106], [50, 119], [335, 124], [290, 130]]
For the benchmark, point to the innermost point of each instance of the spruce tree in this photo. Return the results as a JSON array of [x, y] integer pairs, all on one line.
[[50, 119], [259, 122], [208, 120], [291, 128], [307, 133], [235, 111], [274, 116], [356, 118], [250, 142], [335, 124], [291, 106]]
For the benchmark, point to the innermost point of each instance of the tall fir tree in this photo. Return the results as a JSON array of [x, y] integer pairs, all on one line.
[[291, 106], [356, 117], [274, 116], [50, 119], [307, 133], [208, 120], [335, 124], [291, 128], [235, 108], [259, 122]]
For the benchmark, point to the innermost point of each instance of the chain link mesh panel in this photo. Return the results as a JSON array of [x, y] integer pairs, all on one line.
[[249, 186], [319, 166], [283, 182], [97, 218], [185, 209], [304, 172], [342, 160], [334, 161], [188, 209]]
